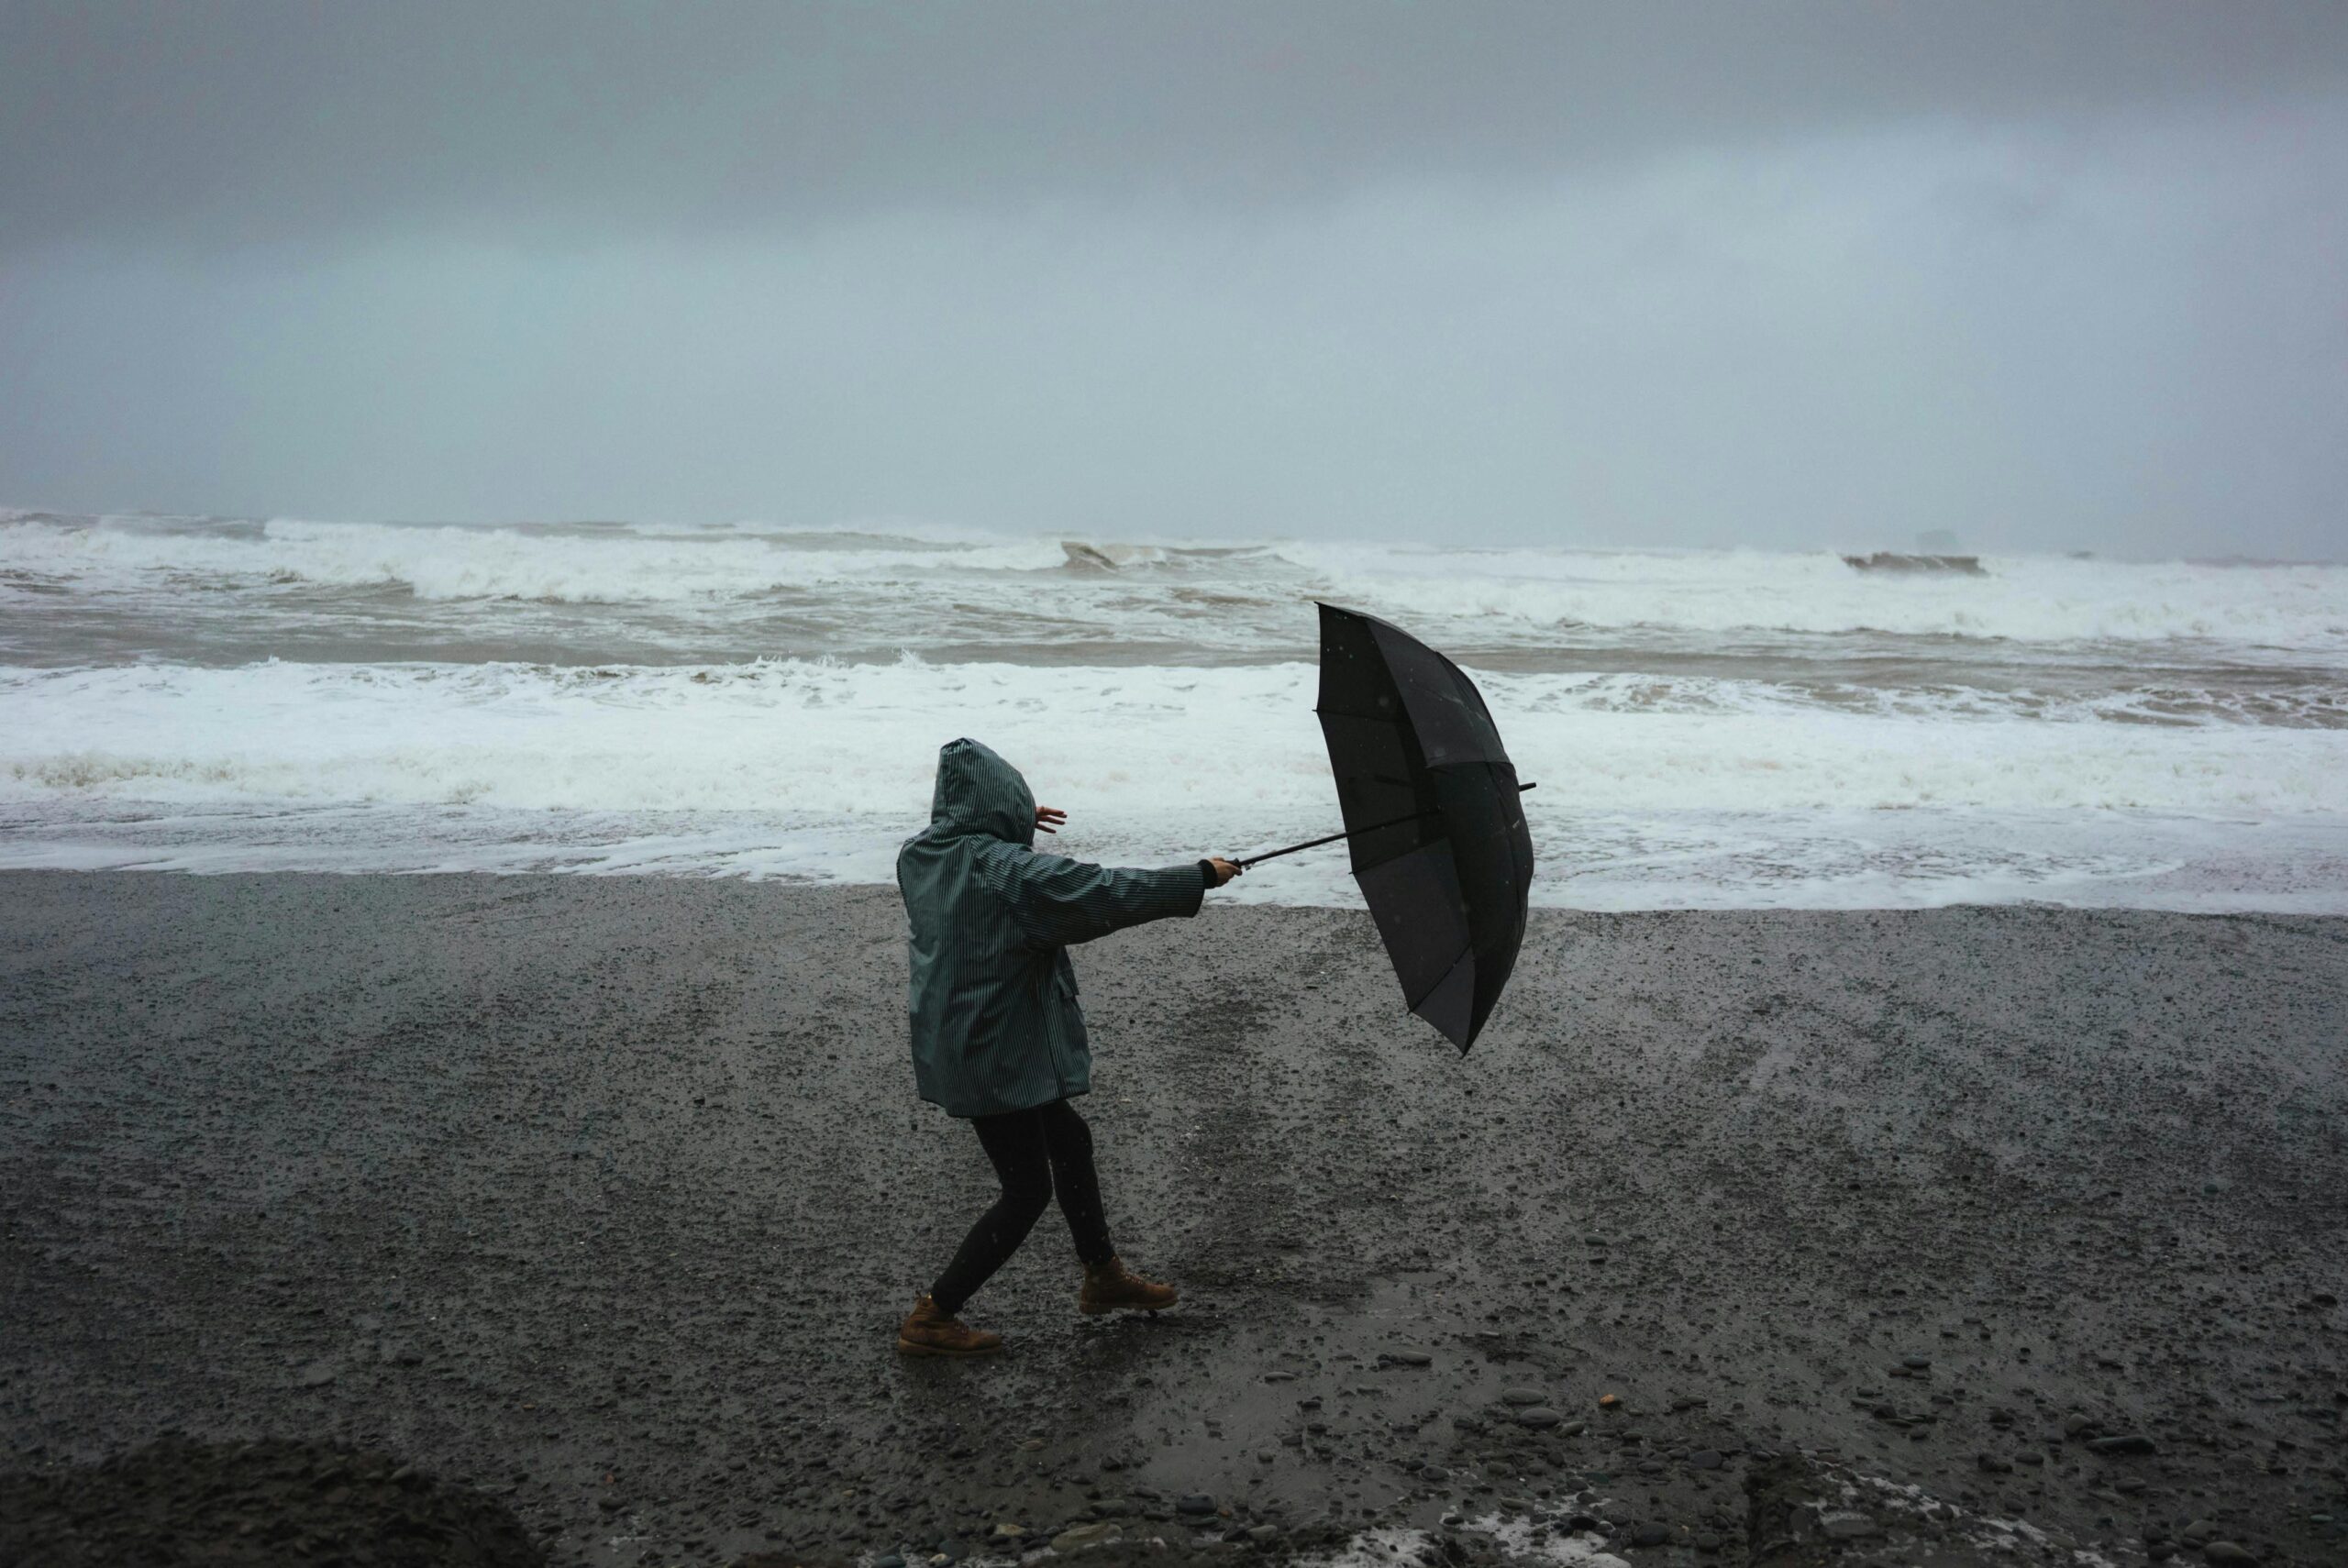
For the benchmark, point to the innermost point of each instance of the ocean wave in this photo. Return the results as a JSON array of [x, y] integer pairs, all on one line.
[[2031, 598], [858, 742], [1227, 596], [572, 565]]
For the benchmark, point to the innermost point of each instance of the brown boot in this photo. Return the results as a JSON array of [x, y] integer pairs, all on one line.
[[927, 1331], [1112, 1286]]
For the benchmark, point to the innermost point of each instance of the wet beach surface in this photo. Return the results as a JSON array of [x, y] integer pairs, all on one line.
[[605, 1195]]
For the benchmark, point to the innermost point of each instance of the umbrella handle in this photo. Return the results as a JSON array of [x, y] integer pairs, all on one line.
[[1351, 833]]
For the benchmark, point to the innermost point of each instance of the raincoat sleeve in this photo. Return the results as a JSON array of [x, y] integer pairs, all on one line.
[[1059, 902]]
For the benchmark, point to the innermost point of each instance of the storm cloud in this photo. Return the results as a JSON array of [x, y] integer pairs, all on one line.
[[1794, 275]]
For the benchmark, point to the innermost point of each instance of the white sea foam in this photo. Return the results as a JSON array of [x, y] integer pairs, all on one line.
[[2027, 599], [852, 740], [1709, 728], [817, 770], [1532, 597], [452, 563]]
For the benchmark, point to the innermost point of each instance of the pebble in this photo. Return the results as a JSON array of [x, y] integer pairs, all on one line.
[[2226, 1554], [1609, 1401], [1264, 1534], [1195, 1503], [1538, 1416], [2197, 1532], [1849, 1527], [1408, 1358], [1916, 1362], [2128, 1442], [1650, 1535], [889, 1560], [1707, 1542], [1082, 1536], [1706, 1459], [1520, 1396]]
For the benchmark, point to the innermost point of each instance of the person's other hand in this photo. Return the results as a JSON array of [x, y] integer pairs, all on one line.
[[1048, 819], [1224, 870]]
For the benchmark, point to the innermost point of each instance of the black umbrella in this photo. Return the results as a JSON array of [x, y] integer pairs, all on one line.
[[1432, 816]]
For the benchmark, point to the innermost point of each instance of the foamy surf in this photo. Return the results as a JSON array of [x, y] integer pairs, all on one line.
[[1233, 596], [1710, 729], [816, 770]]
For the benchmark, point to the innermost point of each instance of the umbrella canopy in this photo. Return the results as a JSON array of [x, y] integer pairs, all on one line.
[[1432, 816]]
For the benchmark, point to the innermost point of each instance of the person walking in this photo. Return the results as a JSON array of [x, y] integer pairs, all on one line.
[[998, 1038]]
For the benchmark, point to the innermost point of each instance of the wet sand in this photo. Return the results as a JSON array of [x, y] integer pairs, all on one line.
[[605, 1195]]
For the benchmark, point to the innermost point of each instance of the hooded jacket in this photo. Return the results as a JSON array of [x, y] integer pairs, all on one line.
[[995, 1022]]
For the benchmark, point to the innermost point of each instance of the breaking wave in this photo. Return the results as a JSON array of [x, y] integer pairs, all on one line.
[[1526, 596], [858, 742], [1709, 728]]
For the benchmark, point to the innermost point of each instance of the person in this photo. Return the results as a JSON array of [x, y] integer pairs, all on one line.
[[998, 1038]]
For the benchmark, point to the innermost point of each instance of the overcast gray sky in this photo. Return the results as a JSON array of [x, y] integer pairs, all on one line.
[[2049, 275]]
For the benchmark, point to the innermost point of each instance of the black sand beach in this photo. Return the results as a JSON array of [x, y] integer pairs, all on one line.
[[604, 1197]]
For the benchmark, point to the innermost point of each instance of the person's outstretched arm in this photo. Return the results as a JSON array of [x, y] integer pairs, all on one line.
[[1060, 902]]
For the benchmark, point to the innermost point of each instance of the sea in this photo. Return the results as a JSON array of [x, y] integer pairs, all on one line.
[[1735, 729]]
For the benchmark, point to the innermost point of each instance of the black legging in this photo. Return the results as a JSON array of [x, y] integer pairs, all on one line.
[[1034, 1152]]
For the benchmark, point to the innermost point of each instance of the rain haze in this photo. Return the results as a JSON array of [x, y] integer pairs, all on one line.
[[1795, 276]]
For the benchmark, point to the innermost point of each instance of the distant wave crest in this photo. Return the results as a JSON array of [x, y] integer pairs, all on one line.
[[1064, 587]]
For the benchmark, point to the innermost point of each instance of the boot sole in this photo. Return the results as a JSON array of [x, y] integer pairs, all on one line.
[[1094, 1309], [908, 1347]]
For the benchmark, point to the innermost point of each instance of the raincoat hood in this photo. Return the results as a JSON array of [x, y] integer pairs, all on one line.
[[978, 793]]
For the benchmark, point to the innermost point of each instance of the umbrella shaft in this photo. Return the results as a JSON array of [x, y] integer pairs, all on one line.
[[1350, 832]]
